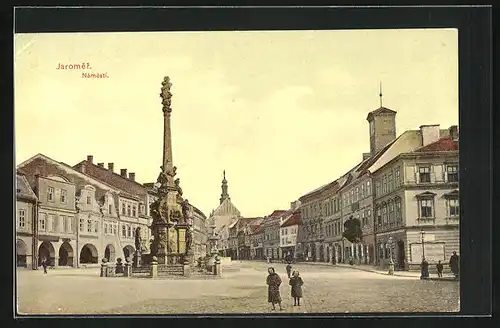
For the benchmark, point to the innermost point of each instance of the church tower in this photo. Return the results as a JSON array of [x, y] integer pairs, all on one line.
[[224, 194]]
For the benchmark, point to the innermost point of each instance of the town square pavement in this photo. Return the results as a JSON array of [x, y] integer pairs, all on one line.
[[241, 289]]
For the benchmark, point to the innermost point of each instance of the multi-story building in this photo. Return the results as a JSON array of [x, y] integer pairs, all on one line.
[[71, 207], [26, 219], [417, 197], [200, 238], [315, 210], [288, 234], [130, 210], [257, 241], [271, 242]]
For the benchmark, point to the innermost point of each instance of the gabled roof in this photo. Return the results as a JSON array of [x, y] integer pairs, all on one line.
[[226, 208], [277, 213], [294, 219], [23, 189], [68, 169], [443, 144], [380, 111]]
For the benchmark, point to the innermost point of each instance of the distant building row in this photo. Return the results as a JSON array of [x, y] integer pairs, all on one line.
[[77, 215], [403, 192]]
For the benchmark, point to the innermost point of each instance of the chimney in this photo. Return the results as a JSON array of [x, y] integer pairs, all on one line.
[[430, 133], [453, 132], [100, 164], [123, 172], [90, 159], [131, 176], [366, 156], [111, 166]]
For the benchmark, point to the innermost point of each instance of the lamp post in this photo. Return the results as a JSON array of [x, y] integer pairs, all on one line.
[[422, 234]]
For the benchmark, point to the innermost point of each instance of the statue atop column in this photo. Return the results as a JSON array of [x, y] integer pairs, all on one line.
[[166, 95]]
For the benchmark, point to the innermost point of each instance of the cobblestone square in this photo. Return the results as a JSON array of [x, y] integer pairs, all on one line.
[[242, 289]]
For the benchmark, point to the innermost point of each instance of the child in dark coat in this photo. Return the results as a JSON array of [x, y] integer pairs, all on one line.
[[296, 282], [439, 267]]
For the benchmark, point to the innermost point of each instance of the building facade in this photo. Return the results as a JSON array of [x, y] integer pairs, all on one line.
[[315, 211], [257, 241], [26, 219], [271, 227], [71, 206], [421, 203], [288, 234]]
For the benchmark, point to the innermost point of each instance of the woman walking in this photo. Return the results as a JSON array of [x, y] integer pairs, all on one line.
[[273, 290], [296, 282]]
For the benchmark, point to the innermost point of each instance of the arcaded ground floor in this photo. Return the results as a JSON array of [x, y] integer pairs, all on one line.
[[242, 289]]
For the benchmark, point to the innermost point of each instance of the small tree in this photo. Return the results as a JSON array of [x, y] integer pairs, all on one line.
[[352, 230]]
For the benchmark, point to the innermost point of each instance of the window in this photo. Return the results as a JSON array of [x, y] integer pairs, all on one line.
[[89, 200], [89, 225], [424, 174], [363, 222], [384, 184], [454, 207], [398, 210], [124, 231], [452, 173], [391, 211], [357, 194], [397, 177], [426, 208], [42, 222], [63, 196], [69, 224], [50, 194], [134, 209], [379, 216], [123, 208], [368, 188], [351, 199], [96, 226], [110, 209], [105, 228], [22, 218], [82, 225], [377, 188], [368, 217], [363, 191], [128, 210], [384, 214], [129, 231], [390, 182]]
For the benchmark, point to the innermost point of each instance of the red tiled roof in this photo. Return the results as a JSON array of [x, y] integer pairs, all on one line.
[[443, 144], [292, 220], [113, 179], [277, 213]]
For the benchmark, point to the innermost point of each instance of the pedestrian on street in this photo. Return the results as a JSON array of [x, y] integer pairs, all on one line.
[[424, 269], [296, 282], [44, 264], [439, 267], [288, 270], [273, 282], [455, 264]]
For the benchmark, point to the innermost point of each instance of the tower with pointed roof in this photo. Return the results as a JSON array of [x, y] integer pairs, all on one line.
[[382, 126], [224, 194]]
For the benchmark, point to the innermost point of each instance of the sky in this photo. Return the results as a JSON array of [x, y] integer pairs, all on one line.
[[283, 112]]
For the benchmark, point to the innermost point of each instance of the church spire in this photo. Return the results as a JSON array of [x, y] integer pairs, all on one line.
[[224, 194]]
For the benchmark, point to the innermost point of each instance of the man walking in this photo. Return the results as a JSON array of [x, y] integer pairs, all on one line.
[[44, 264]]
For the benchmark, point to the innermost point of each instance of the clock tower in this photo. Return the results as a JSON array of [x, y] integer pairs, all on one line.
[[382, 123]]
